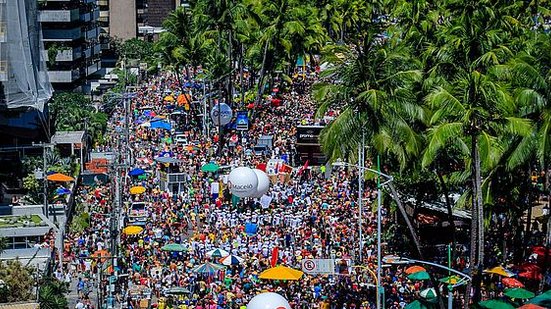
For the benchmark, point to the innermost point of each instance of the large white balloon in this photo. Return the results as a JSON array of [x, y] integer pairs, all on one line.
[[268, 301], [243, 182], [263, 183], [225, 116]]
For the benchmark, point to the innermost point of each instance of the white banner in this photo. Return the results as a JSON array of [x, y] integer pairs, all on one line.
[[265, 201]]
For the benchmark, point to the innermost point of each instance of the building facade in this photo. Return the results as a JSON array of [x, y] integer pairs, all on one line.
[[71, 39]]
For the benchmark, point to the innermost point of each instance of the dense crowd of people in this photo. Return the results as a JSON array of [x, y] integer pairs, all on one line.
[[312, 214]]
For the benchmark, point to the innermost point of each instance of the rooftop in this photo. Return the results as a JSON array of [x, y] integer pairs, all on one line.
[[68, 137]]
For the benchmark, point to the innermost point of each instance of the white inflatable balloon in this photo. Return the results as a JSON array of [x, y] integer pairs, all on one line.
[[268, 301], [263, 183], [243, 182], [225, 111]]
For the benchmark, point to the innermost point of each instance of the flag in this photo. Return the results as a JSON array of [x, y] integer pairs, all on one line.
[[275, 253], [284, 168], [261, 166], [303, 168]]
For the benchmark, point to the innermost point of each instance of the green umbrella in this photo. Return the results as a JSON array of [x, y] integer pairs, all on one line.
[[173, 247], [210, 167], [416, 305], [428, 293], [421, 275], [495, 304], [142, 177], [519, 293], [543, 300]]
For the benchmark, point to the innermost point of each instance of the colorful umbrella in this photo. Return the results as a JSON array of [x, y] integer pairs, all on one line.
[[531, 275], [137, 190], [428, 293], [169, 98], [217, 253], [422, 275], [281, 273], [207, 268], [173, 247], [519, 293], [231, 260], [136, 172], [142, 177], [210, 167], [543, 300], [58, 177], [495, 304], [499, 270], [512, 283], [414, 269]]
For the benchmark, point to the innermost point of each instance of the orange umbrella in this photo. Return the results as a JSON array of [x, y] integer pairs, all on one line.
[[58, 177], [512, 283], [414, 269], [183, 99]]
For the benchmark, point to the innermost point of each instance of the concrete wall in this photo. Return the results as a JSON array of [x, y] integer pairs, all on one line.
[[122, 19]]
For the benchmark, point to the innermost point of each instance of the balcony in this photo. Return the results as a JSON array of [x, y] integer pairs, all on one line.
[[69, 54], [63, 76], [93, 68], [53, 16], [90, 16], [61, 34], [91, 34], [103, 2]]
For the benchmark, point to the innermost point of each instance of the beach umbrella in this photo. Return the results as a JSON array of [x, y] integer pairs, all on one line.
[[453, 279], [512, 283], [132, 230], [421, 275], [207, 268], [519, 293], [231, 260], [210, 167], [173, 247], [58, 177], [281, 273], [428, 293], [495, 304], [136, 172], [217, 253], [62, 191], [416, 305], [543, 300], [499, 270], [137, 190], [178, 291], [169, 98], [414, 269]]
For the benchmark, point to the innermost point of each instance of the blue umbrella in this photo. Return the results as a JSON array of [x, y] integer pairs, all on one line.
[[207, 268], [161, 125], [136, 172], [251, 228], [62, 191]]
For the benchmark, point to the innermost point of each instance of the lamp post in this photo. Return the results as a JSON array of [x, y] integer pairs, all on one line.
[[388, 179], [404, 260]]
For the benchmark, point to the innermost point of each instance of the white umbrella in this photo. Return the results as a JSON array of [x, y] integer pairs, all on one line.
[[231, 260], [218, 253], [146, 124]]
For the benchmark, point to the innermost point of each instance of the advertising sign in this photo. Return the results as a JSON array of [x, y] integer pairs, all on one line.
[[242, 121], [318, 266]]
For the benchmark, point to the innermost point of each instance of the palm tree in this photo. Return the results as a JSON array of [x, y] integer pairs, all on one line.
[[52, 294]]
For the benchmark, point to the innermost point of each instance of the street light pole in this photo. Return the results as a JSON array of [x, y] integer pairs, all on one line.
[[360, 195], [379, 231]]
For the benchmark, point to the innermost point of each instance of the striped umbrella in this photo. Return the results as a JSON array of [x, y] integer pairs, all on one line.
[[231, 260], [218, 253], [207, 268]]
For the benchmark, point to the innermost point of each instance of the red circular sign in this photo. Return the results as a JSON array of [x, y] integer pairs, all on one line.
[[309, 265]]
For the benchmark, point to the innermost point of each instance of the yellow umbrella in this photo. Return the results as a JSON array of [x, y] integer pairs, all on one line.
[[137, 190], [499, 270], [169, 98], [132, 230], [281, 273], [58, 177]]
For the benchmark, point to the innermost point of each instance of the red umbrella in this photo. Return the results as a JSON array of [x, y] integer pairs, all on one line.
[[512, 283], [531, 306], [539, 250], [531, 267], [531, 275], [250, 106]]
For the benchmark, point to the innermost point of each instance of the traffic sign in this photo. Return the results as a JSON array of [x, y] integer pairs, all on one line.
[[318, 266]]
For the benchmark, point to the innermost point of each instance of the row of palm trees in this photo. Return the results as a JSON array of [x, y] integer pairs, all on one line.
[[456, 91], [454, 95]]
